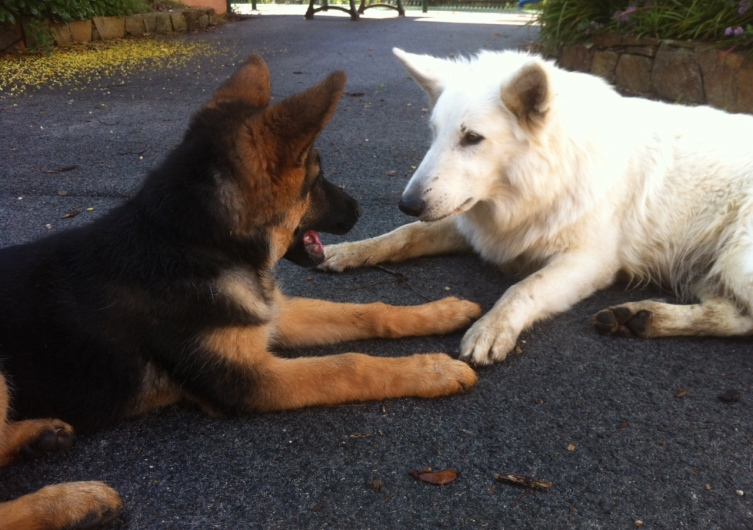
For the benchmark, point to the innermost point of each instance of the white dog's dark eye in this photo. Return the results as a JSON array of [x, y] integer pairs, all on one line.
[[471, 138]]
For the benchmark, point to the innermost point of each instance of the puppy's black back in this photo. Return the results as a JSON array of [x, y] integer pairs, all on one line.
[[83, 312]]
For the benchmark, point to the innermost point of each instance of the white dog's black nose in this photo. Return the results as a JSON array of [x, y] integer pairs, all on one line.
[[412, 206]]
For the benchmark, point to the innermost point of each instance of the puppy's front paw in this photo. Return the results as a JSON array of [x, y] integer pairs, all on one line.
[[343, 256], [438, 374], [451, 314], [488, 341]]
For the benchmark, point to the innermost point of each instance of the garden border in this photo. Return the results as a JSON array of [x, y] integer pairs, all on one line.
[[19, 37], [677, 71]]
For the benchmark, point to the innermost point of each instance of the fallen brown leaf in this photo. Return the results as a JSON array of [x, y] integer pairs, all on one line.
[[730, 396], [60, 169], [522, 480], [376, 485], [438, 478], [70, 215]]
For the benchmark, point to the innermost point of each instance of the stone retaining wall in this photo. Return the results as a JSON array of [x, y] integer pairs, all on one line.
[[676, 71], [17, 37]]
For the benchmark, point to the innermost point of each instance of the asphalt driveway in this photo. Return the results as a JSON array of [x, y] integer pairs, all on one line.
[[626, 430]]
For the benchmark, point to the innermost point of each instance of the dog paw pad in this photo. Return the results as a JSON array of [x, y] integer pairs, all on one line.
[[622, 322], [53, 440]]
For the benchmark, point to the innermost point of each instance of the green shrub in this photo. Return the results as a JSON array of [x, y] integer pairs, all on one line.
[[724, 21], [67, 10]]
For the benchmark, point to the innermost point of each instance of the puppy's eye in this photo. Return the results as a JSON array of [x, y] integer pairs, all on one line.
[[471, 138]]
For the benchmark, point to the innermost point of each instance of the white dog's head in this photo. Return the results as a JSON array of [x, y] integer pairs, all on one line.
[[485, 112]]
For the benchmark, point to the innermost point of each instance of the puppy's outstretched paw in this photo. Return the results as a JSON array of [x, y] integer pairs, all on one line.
[[438, 374], [449, 314], [621, 321]]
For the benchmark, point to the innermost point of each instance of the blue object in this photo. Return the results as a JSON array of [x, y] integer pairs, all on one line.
[[524, 2]]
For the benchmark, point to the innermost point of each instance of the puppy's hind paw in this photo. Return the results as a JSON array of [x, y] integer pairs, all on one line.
[[54, 437], [622, 322], [78, 505]]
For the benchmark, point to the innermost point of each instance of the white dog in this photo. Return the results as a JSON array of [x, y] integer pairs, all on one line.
[[535, 166]]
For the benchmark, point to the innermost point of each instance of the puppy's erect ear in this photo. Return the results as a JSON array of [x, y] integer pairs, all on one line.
[[429, 72], [297, 121], [250, 83], [528, 96]]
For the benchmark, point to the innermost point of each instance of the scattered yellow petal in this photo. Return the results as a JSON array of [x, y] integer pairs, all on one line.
[[85, 64], [571, 447]]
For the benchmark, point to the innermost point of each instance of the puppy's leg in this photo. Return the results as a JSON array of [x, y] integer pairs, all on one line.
[[408, 241], [650, 318], [62, 506], [566, 280], [278, 384], [72, 505], [303, 321], [30, 438]]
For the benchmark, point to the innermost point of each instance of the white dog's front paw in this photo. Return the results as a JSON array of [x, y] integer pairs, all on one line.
[[489, 340], [343, 256]]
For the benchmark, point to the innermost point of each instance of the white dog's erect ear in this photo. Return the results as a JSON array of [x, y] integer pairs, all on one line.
[[528, 96], [426, 70]]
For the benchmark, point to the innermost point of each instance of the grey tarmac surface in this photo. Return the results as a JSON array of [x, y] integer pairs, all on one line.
[[626, 430]]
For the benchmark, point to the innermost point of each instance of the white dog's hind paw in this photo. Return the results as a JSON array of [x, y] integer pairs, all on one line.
[[487, 342], [342, 256]]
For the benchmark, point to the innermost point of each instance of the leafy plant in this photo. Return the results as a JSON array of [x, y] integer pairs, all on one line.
[[571, 21], [67, 10], [38, 36]]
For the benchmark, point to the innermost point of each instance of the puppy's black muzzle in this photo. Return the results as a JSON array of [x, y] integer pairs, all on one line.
[[331, 210]]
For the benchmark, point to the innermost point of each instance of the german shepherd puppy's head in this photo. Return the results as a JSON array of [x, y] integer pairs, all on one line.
[[265, 177]]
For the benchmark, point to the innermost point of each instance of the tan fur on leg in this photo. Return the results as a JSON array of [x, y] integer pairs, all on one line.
[[294, 383], [30, 438], [69, 505], [62, 505], [302, 382], [304, 321]]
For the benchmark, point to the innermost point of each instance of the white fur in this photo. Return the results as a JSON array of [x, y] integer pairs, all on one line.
[[600, 183]]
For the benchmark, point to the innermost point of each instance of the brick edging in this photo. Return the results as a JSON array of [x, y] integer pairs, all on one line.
[[16, 37], [676, 71]]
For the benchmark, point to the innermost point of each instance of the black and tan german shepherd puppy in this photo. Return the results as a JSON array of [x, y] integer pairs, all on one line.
[[171, 297]]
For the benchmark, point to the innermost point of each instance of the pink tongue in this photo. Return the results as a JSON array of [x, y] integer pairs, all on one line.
[[312, 244]]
